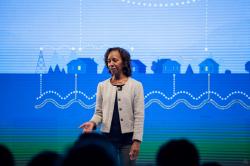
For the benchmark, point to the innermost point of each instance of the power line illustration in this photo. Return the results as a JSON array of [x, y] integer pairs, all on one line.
[[173, 84], [40, 67], [75, 86], [41, 84], [206, 26], [154, 96], [208, 86]]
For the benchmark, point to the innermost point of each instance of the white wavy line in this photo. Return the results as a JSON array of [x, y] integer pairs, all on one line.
[[229, 104], [86, 106], [176, 103], [65, 106], [149, 103]]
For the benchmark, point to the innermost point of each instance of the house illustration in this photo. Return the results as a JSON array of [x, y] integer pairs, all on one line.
[[138, 67], [209, 66], [82, 66], [166, 66]]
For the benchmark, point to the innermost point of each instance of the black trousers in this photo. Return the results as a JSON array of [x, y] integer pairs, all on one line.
[[123, 155]]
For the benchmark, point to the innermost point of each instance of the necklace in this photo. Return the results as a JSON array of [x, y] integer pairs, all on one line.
[[119, 82]]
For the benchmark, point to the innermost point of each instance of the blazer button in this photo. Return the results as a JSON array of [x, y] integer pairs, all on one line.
[[121, 119], [119, 99], [120, 109]]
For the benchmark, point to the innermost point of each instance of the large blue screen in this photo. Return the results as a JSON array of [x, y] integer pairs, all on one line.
[[192, 57]]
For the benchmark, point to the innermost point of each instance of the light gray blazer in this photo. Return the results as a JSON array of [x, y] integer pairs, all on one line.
[[130, 106]]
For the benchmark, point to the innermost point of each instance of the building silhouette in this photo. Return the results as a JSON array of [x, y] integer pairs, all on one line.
[[82, 66], [138, 67], [209, 66], [166, 66], [247, 66]]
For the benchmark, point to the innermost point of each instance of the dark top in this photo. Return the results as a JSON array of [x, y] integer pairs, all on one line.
[[115, 135]]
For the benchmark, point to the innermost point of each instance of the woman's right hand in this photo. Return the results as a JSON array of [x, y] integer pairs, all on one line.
[[87, 127]]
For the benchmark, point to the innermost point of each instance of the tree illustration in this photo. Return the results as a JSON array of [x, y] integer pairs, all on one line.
[[63, 71], [57, 69], [228, 71], [50, 70], [189, 70], [155, 67]]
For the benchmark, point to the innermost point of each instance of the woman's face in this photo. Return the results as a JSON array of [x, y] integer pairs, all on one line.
[[115, 62]]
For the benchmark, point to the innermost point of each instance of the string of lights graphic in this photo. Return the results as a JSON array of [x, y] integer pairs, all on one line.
[[207, 96], [85, 46], [151, 93], [102, 46], [159, 4]]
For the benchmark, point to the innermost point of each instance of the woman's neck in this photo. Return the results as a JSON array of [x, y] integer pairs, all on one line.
[[118, 80], [118, 77]]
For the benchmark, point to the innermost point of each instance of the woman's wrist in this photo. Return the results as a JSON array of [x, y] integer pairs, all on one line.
[[137, 141], [94, 127]]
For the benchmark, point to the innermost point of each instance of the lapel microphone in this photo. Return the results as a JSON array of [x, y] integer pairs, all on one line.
[[119, 87]]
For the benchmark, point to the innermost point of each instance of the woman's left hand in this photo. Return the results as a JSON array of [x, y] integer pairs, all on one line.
[[134, 151]]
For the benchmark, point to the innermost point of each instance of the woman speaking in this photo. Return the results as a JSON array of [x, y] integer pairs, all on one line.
[[120, 107]]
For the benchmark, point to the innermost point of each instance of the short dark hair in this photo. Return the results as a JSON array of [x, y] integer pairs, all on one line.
[[48, 158], [178, 153], [91, 149], [6, 156], [126, 61]]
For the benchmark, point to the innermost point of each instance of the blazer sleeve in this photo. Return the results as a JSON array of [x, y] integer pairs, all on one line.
[[97, 117], [138, 112]]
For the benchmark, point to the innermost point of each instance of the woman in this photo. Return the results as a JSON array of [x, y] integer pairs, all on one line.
[[120, 107]]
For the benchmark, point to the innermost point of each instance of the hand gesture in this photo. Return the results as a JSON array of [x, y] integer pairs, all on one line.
[[87, 127]]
